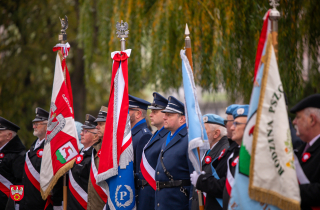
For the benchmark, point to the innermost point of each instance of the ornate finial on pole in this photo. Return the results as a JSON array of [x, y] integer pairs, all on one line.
[[274, 16], [64, 26], [188, 45], [122, 31]]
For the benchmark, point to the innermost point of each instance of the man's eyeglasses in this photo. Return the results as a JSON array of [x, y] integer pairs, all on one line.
[[86, 131], [226, 121], [36, 124], [237, 123]]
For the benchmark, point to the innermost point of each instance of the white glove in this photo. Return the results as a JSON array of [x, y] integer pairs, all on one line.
[[57, 207], [194, 177]]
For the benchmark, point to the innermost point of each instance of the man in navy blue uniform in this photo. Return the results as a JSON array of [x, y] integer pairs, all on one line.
[[218, 140], [139, 128], [79, 174], [150, 154], [174, 190]]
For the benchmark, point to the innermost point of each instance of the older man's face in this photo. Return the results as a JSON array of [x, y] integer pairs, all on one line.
[[4, 136], [301, 125], [238, 128]]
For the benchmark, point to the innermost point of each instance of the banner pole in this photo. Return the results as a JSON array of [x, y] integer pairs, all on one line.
[[274, 16], [189, 56]]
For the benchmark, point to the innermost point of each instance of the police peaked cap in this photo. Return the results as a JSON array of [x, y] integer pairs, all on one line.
[[174, 106], [135, 102], [41, 115], [231, 108], [310, 101], [102, 116], [7, 125], [241, 111], [213, 119], [159, 102], [90, 122]]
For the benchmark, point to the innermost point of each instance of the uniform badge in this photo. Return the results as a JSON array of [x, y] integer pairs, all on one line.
[[39, 153], [79, 159], [99, 153], [207, 159], [240, 111], [16, 192], [305, 157], [235, 162], [221, 154], [1, 155]]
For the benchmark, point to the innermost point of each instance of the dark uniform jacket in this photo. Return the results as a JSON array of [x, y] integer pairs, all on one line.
[[80, 173], [211, 202], [140, 137], [11, 165], [232, 168], [152, 150], [176, 161], [310, 193]]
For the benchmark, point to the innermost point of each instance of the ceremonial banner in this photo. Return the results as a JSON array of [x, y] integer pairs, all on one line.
[[61, 144], [197, 135], [115, 173], [266, 154]]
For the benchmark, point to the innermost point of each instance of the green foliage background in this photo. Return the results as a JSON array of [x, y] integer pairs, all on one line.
[[224, 37]]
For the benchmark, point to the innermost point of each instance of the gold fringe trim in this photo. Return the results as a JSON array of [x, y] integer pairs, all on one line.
[[54, 180], [256, 193]]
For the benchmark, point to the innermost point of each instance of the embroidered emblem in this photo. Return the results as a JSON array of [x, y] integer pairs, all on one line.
[[240, 111], [79, 159], [205, 119], [125, 199], [221, 154], [17, 192], [305, 157], [207, 159], [99, 153], [39, 153], [1, 155], [235, 161]]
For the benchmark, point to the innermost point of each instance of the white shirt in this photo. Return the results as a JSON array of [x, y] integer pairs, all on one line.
[[38, 143], [83, 150], [310, 143]]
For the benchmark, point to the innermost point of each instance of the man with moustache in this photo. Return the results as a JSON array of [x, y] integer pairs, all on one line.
[[307, 158], [79, 174], [97, 196], [174, 190], [146, 183]]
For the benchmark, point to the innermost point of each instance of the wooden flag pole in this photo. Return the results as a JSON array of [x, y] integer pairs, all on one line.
[[189, 56], [274, 17]]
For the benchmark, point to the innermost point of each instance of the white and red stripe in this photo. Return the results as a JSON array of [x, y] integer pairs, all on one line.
[[5, 185], [32, 174], [147, 171], [230, 178], [302, 178], [93, 174], [77, 191]]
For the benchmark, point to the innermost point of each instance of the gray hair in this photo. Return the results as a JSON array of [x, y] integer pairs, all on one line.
[[312, 110], [13, 133], [222, 129]]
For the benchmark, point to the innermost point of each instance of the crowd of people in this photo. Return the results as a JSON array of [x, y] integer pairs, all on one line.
[[164, 176]]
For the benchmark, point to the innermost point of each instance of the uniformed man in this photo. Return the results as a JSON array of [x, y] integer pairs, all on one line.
[[240, 120], [12, 153], [307, 122], [228, 122], [97, 196], [139, 128], [218, 140], [174, 190], [151, 153], [79, 174], [32, 197]]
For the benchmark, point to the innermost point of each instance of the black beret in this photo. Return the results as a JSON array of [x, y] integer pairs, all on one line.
[[7, 125], [310, 101]]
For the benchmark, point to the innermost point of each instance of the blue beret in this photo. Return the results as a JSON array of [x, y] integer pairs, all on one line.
[[241, 111], [310, 101], [231, 108], [213, 119], [41, 115], [174, 106], [7, 125], [159, 102], [135, 102]]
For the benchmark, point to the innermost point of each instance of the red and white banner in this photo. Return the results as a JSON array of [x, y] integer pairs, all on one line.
[[32, 174], [93, 175], [77, 191], [147, 171], [61, 144], [5, 185], [230, 178]]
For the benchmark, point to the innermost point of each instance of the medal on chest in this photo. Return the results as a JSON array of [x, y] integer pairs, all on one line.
[[99, 153], [39, 153], [235, 161], [79, 159], [305, 157], [207, 159], [1, 155], [221, 154]]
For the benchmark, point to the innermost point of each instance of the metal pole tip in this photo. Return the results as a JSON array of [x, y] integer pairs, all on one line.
[[187, 32]]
